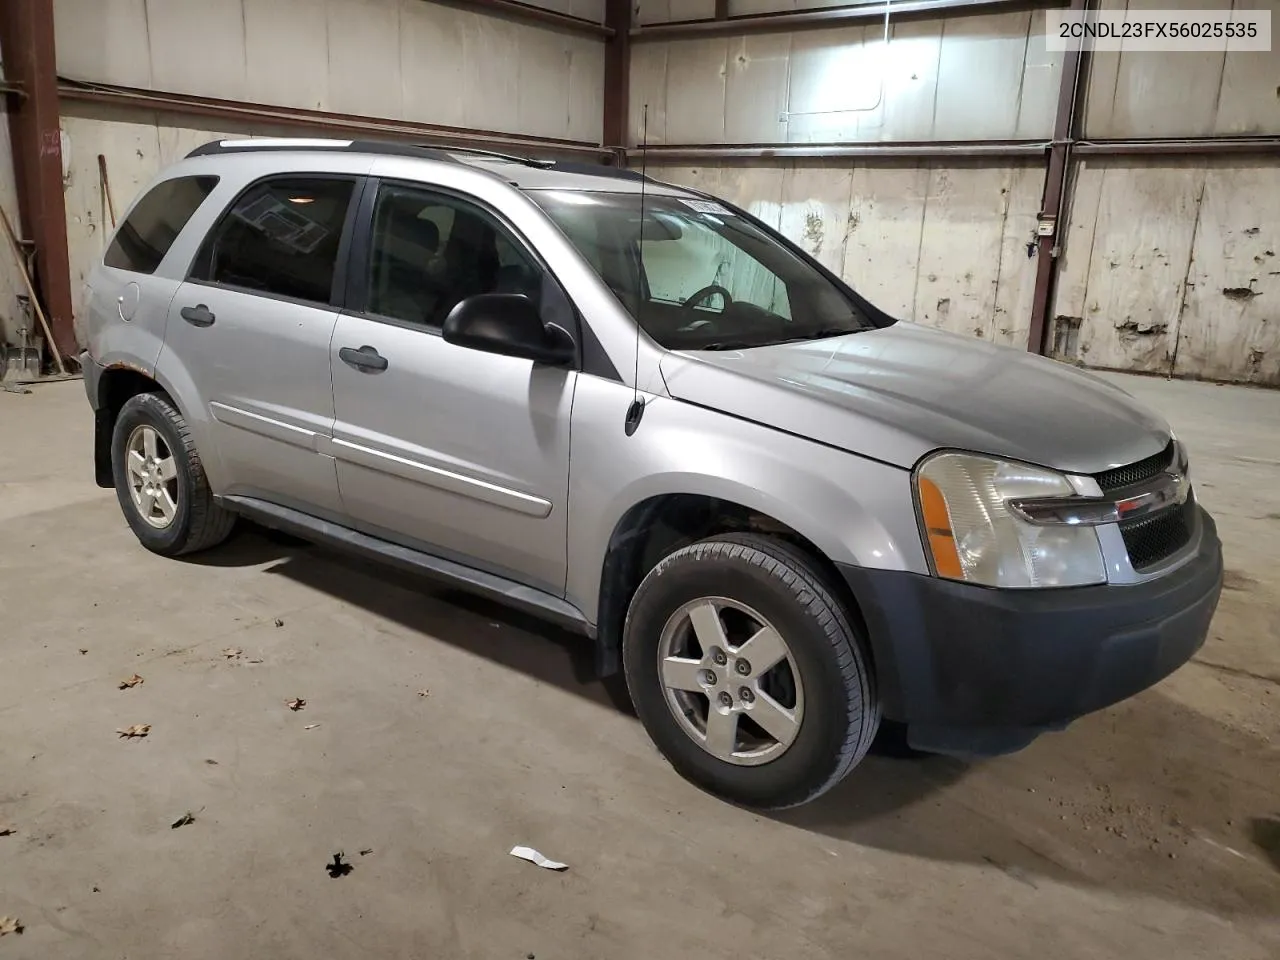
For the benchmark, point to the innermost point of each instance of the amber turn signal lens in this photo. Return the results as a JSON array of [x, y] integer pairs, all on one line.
[[937, 528]]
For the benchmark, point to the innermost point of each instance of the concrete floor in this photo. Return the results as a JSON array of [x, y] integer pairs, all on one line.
[[1151, 830]]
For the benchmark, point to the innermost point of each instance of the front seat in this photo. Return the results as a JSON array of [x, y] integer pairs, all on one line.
[[471, 259], [402, 285]]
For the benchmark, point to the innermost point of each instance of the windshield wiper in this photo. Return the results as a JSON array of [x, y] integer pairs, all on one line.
[[728, 345], [823, 333]]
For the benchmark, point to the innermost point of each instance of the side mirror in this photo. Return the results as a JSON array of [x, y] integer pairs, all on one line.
[[509, 324]]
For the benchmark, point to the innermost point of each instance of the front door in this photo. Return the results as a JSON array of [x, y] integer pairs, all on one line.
[[251, 329], [460, 453]]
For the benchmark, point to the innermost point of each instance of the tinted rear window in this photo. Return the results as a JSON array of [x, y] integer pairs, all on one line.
[[280, 237], [151, 227]]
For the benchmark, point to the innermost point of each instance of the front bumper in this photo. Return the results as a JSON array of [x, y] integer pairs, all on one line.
[[976, 671]]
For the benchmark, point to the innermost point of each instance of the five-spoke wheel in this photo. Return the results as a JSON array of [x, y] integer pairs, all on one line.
[[160, 479], [153, 476], [746, 670], [731, 681]]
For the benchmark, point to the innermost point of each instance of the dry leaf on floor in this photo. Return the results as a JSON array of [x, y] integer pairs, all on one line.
[[183, 820], [10, 925], [424, 693], [84, 650], [256, 660], [5, 828], [338, 868], [279, 622], [366, 851], [137, 730], [131, 682], [232, 653], [212, 763], [296, 704]]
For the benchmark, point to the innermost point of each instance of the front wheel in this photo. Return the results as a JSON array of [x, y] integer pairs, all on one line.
[[160, 481], [747, 673]]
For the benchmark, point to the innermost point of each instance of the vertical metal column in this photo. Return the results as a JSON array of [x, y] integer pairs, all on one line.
[[617, 74], [26, 37], [1055, 186]]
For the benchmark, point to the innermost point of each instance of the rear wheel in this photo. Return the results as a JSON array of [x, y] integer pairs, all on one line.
[[160, 481], [746, 671]]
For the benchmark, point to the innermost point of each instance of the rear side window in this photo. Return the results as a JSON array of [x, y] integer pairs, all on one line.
[[280, 238], [151, 227]]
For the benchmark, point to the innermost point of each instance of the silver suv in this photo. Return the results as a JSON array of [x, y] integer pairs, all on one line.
[[639, 412]]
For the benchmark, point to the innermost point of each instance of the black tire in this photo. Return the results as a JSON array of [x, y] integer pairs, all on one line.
[[787, 588], [199, 523]]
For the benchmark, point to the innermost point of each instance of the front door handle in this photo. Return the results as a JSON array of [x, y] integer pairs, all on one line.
[[198, 316], [366, 359]]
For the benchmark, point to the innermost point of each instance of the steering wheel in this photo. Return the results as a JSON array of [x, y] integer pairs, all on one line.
[[706, 292]]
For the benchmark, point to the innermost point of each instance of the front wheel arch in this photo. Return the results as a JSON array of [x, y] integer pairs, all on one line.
[[659, 525]]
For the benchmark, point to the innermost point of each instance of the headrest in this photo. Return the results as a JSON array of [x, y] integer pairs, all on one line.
[[403, 223]]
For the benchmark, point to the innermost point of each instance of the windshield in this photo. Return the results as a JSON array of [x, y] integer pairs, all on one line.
[[699, 277]]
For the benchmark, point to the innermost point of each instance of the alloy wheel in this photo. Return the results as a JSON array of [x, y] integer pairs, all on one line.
[[731, 681]]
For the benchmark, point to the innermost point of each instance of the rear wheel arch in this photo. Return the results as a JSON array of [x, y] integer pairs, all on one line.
[[116, 386]]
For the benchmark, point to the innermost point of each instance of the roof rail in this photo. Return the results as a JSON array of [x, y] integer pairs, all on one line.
[[599, 170], [270, 144], [495, 155], [417, 150]]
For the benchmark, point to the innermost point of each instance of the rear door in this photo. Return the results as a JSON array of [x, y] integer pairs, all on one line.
[[250, 330], [457, 451]]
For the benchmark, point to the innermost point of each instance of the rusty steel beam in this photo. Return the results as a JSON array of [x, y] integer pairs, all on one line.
[[1052, 204], [1175, 147], [537, 16], [827, 17], [617, 73], [906, 150], [961, 149], [344, 123], [26, 35]]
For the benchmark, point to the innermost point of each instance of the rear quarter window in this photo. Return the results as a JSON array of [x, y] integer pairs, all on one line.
[[155, 222]]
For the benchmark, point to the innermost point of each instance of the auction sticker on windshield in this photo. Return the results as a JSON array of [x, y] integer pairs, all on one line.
[[707, 206]]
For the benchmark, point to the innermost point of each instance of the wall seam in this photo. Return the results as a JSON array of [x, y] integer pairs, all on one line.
[[1186, 276]]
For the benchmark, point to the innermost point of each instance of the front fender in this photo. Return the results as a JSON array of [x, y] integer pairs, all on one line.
[[856, 511]]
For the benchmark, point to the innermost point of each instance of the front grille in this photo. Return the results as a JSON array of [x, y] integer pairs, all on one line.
[[1136, 472], [1158, 536]]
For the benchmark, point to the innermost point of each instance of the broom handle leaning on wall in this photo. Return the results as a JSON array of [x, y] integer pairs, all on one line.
[[31, 290], [106, 188]]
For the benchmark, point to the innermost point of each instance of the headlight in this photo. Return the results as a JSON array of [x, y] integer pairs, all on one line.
[[972, 535]]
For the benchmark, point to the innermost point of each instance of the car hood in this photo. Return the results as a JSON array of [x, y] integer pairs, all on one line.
[[899, 392]]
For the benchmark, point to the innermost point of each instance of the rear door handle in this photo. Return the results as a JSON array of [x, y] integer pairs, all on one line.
[[198, 316], [366, 359]]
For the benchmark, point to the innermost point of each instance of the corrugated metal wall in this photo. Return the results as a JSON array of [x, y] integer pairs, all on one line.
[[1171, 266], [1168, 265], [397, 59], [972, 77]]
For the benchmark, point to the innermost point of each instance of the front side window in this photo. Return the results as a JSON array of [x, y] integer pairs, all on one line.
[[698, 277], [155, 222], [429, 251], [281, 238]]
